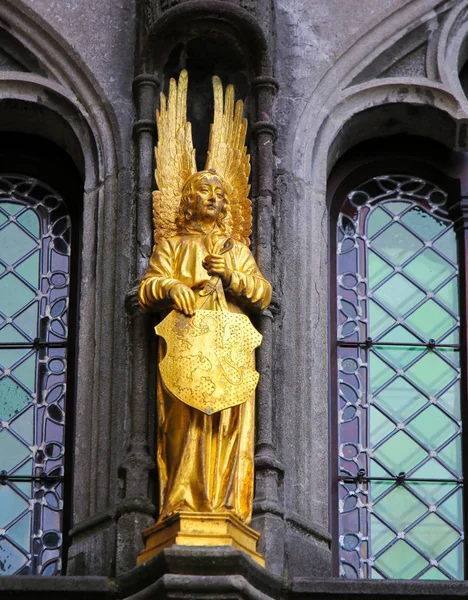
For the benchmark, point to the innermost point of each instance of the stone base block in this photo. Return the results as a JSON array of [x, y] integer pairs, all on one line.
[[200, 529]]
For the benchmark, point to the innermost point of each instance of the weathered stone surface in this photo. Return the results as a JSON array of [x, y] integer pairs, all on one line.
[[347, 72]]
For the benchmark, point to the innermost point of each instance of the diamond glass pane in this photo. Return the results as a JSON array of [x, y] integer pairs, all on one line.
[[397, 244], [432, 374], [398, 295], [34, 287], [401, 561], [429, 269], [399, 391]]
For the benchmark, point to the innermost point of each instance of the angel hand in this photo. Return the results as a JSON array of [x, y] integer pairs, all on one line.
[[183, 298], [216, 265]]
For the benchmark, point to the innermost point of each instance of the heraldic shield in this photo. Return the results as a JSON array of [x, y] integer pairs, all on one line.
[[209, 358]]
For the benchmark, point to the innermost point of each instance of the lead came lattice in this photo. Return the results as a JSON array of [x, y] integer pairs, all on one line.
[[400, 479], [34, 288]]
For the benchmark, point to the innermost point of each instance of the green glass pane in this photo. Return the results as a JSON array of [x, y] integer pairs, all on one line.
[[14, 243], [399, 295], [451, 455], [399, 335], [379, 372], [433, 536], [449, 295], [397, 244], [452, 355], [12, 399], [401, 562], [423, 223], [375, 470], [429, 269], [400, 356], [27, 471], [432, 469], [451, 401], [30, 220], [451, 338], [431, 373], [452, 508], [396, 207], [379, 320], [12, 451], [11, 559], [400, 399], [29, 269], [11, 505], [380, 535], [378, 269], [26, 372], [377, 219], [433, 575], [379, 425], [432, 427], [24, 425], [21, 532], [375, 574], [430, 320], [27, 320], [2, 218], [453, 562], [11, 207], [13, 294], [400, 453], [447, 244], [399, 508]]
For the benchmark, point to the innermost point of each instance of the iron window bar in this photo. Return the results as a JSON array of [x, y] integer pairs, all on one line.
[[43, 477], [370, 343], [35, 344], [399, 479]]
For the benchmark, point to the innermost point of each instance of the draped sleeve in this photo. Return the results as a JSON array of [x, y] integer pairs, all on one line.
[[153, 293], [247, 283]]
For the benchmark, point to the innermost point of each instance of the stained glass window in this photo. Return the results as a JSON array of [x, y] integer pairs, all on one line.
[[400, 486], [34, 289]]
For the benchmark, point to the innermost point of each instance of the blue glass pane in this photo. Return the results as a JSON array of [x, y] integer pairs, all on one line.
[[29, 269], [11, 505], [12, 451], [27, 320], [11, 559], [30, 221], [14, 243], [11, 207], [12, 399], [25, 372], [20, 532], [14, 294], [23, 425]]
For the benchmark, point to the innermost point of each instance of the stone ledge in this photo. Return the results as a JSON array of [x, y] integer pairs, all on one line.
[[56, 588], [340, 589], [204, 568]]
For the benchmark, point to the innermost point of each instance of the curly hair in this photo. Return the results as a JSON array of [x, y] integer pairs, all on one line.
[[186, 206]]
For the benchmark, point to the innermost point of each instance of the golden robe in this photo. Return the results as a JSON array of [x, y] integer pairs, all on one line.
[[205, 461]]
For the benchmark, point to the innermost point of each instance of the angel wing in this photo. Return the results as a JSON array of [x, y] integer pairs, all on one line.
[[227, 154], [175, 157]]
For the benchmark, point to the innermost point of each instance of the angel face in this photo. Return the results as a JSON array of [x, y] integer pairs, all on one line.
[[208, 199]]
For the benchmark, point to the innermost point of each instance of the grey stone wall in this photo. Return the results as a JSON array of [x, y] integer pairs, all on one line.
[[347, 72]]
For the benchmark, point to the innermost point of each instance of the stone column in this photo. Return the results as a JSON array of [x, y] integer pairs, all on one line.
[[136, 511]]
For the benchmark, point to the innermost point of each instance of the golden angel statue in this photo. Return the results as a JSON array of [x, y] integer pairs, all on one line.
[[203, 279]]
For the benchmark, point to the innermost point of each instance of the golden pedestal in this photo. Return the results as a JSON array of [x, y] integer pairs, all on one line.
[[200, 529]]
